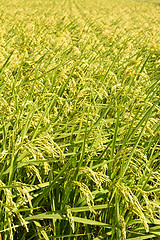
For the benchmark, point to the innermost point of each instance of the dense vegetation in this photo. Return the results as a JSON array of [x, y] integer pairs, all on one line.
[[79, 119]]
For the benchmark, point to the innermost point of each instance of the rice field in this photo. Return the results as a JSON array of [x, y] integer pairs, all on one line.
[[80, 119]]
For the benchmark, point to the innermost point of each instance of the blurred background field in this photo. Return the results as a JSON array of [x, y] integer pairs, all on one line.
[[79, 119]]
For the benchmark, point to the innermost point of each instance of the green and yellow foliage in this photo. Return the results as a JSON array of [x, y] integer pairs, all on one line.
[[79, 119]]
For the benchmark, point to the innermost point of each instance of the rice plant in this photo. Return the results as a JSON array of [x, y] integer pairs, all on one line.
[[79, 119]]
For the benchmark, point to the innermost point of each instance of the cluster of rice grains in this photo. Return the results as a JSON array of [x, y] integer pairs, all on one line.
[[79, 119]]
